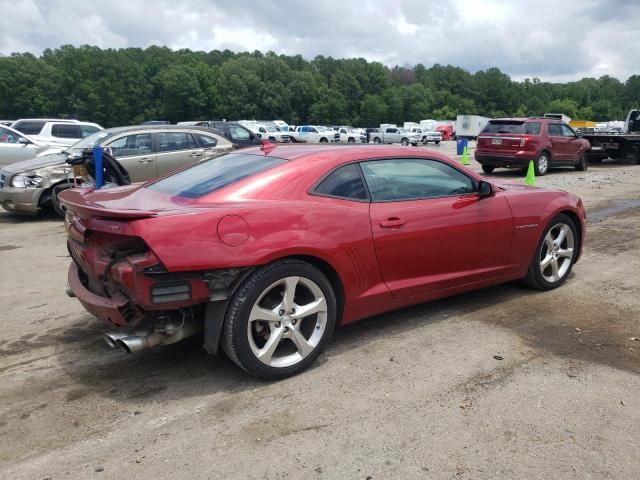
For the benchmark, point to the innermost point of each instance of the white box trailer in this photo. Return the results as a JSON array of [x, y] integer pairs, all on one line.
[[469, 126], [428, 124], [411, 125]]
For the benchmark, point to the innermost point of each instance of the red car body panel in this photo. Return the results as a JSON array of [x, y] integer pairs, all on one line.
[[444, 246]]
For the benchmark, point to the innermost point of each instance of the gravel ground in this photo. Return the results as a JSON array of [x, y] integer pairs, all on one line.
[[416, 393]]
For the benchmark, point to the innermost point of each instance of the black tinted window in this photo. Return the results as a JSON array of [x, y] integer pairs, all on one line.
[[344, 182], [173, 141], [411, 179], [29, 128], [206, 142], [214, 174], [532, 128], [65, 130], [555, 130], [504, 127]]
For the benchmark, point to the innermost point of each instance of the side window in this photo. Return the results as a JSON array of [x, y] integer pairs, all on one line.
[[238, 133], [345, 182], [65, 130], [555, 130], [206, 141], [86, 130], [532, 128], [131, 145], [567, 132], [29, 128], [313, 130], [7, 136], [342, 130], [175, 141], [412, 179]]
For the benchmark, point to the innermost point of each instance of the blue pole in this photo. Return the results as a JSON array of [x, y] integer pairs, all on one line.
[[97, 161]]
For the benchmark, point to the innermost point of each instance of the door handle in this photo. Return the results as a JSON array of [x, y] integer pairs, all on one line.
[[195, 154], [392, 222], [146, 160]]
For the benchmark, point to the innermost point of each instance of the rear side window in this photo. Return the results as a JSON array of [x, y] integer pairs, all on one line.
[[65, 130], [206, 142], [345, 182], [173, 141], [504, 127], [219, 172], [532, 128], [28, 127]]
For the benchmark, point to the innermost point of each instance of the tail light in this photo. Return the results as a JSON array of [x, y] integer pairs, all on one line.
[[523, 141]]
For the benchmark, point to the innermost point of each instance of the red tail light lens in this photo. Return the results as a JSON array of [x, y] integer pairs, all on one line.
[[523, 141]]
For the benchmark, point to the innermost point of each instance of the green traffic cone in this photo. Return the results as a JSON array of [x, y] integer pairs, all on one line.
[[531, 175], [465, 156]]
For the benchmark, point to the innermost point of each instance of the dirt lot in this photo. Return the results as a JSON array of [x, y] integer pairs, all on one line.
[[412, 394]]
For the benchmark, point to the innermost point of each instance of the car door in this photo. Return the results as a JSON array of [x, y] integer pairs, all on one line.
[[573, 145], [12, 149], [136, 154], [431, 229], [241, 136], [211, 145], [558, 143], [177, 149]]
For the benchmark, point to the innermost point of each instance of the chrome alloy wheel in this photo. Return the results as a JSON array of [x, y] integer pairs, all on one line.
[[543, 164], [556, 254], [287, 322]]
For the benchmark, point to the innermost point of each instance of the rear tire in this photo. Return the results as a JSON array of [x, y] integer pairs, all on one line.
[[351, 140], [488, 168], [541, 164], [377, 140], [582, 164], [324, 140], [554, 257], [404, 142], [262, 312]]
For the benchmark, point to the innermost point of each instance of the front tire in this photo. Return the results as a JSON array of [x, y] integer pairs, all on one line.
[[351, 140], [404, 142], [582, 164], [280, 319], [324, 140], [377, 140], [555, 255], [55, 202]]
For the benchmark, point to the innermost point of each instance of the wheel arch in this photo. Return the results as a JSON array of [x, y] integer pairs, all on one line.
[[577, 223]]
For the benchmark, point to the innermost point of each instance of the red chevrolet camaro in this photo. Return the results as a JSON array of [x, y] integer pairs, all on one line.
[[267, 249]]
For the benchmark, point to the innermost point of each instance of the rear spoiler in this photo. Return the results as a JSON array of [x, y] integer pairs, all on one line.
[[76, 201]]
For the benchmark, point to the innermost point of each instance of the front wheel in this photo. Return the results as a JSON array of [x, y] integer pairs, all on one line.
[[280, 319], [582, 164], [55, 202], [555, 255], [404, 141], [351, 140], [376, 140], [324, 140]]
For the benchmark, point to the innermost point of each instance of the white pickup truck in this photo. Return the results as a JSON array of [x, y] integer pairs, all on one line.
[[396, 135], [314, 134], [268, 132], [352, 135], [427, 136]]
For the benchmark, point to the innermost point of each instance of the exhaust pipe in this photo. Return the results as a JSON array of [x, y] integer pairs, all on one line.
[[137, 342], [112, 337]]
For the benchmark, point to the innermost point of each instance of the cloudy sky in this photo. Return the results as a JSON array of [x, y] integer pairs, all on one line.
[[555, 40]]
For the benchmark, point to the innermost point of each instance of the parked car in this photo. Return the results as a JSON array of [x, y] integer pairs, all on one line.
[[16, 146], [245, 247], [55, 131], [237, 134], [395, 135], [351, 135], [314, 134], [427, 136], [513, 142], [267, 132], [145, 151]]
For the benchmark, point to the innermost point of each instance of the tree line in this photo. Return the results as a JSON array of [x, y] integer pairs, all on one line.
[[127, 86]]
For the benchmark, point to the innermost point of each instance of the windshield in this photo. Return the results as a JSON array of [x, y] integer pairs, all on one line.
[[90, 141], [219, 172]]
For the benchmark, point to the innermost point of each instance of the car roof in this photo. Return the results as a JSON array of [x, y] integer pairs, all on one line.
[[64, 120], [342, 153], [137, 128]]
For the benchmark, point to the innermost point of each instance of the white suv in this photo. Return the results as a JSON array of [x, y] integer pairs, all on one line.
[[54, 131]]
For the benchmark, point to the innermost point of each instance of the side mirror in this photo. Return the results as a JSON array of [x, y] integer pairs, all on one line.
[[579, 134], [23, 141], [251, 136], [485, 189]]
